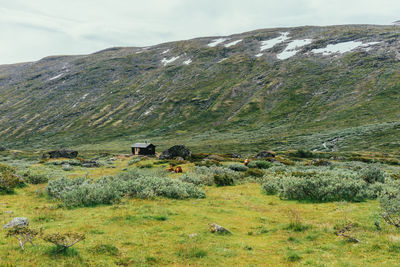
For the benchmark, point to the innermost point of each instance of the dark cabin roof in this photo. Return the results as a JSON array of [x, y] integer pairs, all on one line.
[[142, 145]]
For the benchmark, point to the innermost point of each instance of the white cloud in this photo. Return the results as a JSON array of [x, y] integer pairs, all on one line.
[[30, 30]]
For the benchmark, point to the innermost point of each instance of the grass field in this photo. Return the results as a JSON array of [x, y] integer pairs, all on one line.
[[266, 231]]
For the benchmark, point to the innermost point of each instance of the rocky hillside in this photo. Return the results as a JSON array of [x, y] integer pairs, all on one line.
[[323, 88]]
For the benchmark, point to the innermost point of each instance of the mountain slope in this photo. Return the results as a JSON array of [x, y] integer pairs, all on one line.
[[323, 88]]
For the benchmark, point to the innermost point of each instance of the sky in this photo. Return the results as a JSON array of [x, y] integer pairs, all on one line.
[[31, 30]]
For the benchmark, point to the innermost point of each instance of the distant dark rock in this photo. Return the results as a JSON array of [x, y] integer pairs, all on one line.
[[17, 222], [63, 153], [176, 151], [2, 148], [265, 154]]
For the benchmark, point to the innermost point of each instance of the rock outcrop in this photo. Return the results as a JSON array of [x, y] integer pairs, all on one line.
[[63, 153], [176, 151]]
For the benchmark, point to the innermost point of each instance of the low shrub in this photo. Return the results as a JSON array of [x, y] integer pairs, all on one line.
[[105, 249], [63, 241], [107, 190], [207, 174], [237, 167], [23, 234], [320, 187], [36, 178], [302, 154], [372, 175], [197, 157], [146, 166], [285, 161], [260, 164], [191, 178], [207, 163], [8, 179], [255, 172], [292, 256], [223, 179], [390, 203]]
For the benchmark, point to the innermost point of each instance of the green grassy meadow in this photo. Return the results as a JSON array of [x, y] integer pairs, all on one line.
[[172, 232]]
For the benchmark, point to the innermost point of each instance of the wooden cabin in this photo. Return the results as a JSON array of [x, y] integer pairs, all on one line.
[[144, 149]]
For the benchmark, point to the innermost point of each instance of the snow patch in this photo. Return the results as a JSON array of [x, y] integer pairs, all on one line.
[[84, 96], [187, 62], [222, 60], [165, 61], [55, 77], [259, 55], [166, 51], [292, 48], [337, 48], [216, 42], [267, 44], [233, 43]]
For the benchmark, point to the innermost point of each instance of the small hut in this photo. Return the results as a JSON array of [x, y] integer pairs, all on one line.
[[144, 149]]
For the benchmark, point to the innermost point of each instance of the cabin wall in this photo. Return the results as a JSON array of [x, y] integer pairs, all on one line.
[[143, 151]]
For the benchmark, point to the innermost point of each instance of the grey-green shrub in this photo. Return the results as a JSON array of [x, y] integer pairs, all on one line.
[[8, 179], [320, 187], [36, 178], [207, 174], [108, 190], [237, 167], [223, 180], [390, 203], [372, 175], [260, 164], [191, 178]]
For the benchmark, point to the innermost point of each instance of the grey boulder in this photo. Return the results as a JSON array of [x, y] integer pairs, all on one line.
[[17, 222], [176, 151]]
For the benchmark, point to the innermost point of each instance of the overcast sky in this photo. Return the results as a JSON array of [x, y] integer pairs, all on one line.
[[32, 29]]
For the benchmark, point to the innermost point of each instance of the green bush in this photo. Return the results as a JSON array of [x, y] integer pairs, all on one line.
[[302, 154], [146, 166], [223, 180], [191, 178], [320, 187], [207, 163], [36, 178], [105, 249], [372, 175], [237, 167], [107, 190], [206, 174], [255, 172], [270, 187], [260, 164], [390, 203], [8, 179]]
